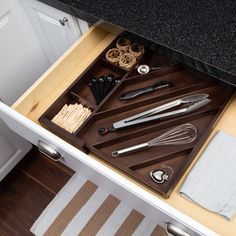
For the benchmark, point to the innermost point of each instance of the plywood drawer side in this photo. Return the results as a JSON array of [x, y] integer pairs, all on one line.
[[54, 81]]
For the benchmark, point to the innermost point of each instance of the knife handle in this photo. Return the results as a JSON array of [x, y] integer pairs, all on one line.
[[136, 93]]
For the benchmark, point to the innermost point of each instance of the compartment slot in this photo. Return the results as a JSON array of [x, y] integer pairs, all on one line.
[[186, 84], [106, 119], [153, 128], [84, 101], [153, 153], [153, 59], [99, 68], [166, 70], [66, 98], [46, 119], [160, 159], [173, 167], [155, 101], [114, 45], [113, 65], [71, 138]]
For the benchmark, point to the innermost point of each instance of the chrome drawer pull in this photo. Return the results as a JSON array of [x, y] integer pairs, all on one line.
[[175, 230], [49, 151], [63, 21]]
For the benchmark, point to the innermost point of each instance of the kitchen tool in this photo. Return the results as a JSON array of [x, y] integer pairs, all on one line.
[[94, 88], [127, 61], [123, 44], [144, 69], [159, 176], [138, 92], [71, 116], [137, 50], [101, 86], [182, 134], [113, 55], [196, 101]]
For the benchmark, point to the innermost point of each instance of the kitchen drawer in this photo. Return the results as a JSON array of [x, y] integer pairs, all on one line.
[[49, 87], [23, 119]]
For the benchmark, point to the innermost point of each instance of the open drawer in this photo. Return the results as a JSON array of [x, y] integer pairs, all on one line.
[[23, 119]]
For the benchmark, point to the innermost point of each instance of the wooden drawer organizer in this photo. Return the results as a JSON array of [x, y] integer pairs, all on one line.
[[138, 165]]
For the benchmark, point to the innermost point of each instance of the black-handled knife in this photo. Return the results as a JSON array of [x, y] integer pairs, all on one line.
[[135, 93]]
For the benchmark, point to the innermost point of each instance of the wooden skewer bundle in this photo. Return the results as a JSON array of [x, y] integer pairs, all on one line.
[[71, 117]]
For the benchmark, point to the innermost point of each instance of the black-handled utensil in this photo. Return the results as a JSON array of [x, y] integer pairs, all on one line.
[[138, 92], [102, 85], [95, 90]]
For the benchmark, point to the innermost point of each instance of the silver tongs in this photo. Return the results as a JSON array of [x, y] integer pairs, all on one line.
[[196, 101]]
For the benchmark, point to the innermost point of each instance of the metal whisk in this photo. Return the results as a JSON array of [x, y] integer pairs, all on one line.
[[179, 135]]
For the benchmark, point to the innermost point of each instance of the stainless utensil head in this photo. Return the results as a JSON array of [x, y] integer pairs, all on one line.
[[143, 69], [195, 98], [198, 105], [179, 135]]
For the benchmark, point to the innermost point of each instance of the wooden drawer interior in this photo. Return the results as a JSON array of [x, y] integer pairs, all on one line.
[[46, 90], [67, 83]]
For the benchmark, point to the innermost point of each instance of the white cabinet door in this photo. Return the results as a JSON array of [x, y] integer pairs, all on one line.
[[13, 149], [21, 58], [102, 175], [56, 30]]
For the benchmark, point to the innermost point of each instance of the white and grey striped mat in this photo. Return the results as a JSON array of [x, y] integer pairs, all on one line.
[[84, 209]]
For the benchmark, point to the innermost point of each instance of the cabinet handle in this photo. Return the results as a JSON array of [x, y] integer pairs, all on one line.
[[63, 21], [49, 151], [175, 230]]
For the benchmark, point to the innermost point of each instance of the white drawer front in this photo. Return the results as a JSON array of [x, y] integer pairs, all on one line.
[[33, 132], [12, 149], [102, 175]]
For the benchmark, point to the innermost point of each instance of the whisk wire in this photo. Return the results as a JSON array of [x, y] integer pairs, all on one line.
[[173, 136], [181, 134]]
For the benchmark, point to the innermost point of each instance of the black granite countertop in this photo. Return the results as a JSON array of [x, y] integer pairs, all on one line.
[[203, 31]]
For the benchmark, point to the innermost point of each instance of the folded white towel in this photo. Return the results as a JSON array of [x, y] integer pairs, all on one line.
[[212, 182]]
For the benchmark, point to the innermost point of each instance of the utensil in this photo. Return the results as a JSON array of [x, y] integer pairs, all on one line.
[[95, 90], [182, 134], [144, 69], [138, 92], [101, 86], [196, 101]]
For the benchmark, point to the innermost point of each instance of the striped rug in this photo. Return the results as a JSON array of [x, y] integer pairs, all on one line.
[[82, 208]]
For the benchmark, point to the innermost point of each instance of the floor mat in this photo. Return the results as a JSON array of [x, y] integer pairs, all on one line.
[[84, 209]]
